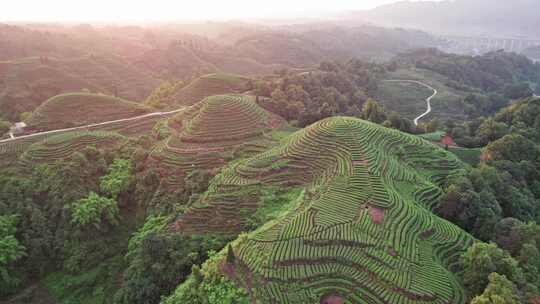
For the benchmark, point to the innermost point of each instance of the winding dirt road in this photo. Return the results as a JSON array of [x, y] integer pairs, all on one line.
[[91, 125], [428, 100]]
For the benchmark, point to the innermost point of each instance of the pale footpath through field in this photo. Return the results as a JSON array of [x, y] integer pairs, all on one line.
[[90, 125], [428, 100]]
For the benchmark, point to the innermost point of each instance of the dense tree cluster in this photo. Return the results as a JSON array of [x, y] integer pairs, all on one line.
[[165, 94], [74, 218], [331, 90], [505, 184], [507, 269], [502, 72], [93, 210], [118, 178], [158, 259], [521, 117], [10, 251], [498, 201], [4, 127], [499, 290], [208, 285], [65, 220], [477, 105]]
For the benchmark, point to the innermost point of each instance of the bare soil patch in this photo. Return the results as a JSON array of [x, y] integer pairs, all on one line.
[[332, 299], [376, 214]]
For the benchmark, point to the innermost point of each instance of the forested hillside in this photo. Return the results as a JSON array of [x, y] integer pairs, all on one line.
[[493, 72], [468, 87], [37, 63], [27, 82]]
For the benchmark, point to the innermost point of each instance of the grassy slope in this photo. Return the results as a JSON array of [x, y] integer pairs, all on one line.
[[76, 109], [410, 100], [469, 155], [362, 229]]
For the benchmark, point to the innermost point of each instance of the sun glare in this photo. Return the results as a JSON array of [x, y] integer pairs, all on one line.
[[166, 10]]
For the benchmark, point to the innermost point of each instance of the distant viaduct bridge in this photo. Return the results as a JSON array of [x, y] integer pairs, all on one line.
[[485, 44]]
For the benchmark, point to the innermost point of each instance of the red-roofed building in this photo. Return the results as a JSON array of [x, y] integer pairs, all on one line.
[[447, 141]]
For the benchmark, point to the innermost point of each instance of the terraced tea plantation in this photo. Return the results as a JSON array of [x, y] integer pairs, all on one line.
[[50, 147], [58, 147], [223, 120], [77, 109], [209, 85], [361, 230], [216, 130]]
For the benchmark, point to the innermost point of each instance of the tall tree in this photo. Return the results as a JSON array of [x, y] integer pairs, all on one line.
[[10, 251], [499, 291], [482, 259], [373, 111]]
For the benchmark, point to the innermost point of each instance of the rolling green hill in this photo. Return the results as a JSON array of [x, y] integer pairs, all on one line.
[[492, 71], [209, 85], [53, 147], [214, 131], [58, 147], [176, 94], [409, 99], [468, 86], [26, 83], [224, 120], [77, 109], [176, 61], [360, 228]]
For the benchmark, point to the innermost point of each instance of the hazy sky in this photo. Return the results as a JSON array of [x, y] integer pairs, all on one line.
[[171, 10]]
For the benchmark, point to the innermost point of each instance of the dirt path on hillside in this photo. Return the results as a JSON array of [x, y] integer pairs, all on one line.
[[90, 125], [428, 100]]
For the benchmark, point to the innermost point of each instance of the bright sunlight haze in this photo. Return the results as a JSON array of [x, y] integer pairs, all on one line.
[[165, 10]]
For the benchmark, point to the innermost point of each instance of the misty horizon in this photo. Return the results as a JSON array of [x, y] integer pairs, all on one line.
[[161, 11]]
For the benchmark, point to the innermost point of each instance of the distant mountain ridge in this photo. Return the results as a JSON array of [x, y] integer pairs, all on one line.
[[472, 17]]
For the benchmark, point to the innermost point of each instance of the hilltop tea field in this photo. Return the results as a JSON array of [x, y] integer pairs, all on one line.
[[78, 109], [360, 229], [213, 132]]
